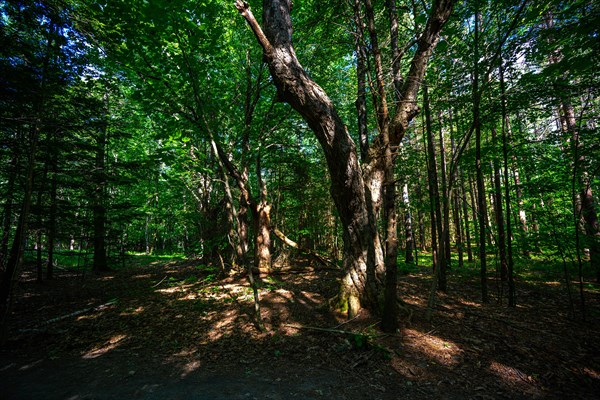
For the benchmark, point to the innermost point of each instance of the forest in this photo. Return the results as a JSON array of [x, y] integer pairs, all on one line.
[[350, 199]]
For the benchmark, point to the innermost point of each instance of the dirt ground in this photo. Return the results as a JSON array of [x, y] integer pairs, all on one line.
[[175, 331]]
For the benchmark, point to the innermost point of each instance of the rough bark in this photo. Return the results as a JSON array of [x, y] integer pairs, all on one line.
[[350, 191]]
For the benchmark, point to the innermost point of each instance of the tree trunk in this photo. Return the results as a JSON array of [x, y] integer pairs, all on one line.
[[438, 232], [361, 79], [262, 220], [456, 211], [481, 201], [512, 301], [350, 191], [100, 263], [52, 221], [499, 213], [7, 211], [467, 225], [408, 227], [445, 199], [13, 266]]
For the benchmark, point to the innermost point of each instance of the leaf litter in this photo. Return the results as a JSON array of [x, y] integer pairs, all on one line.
[[175, 331]]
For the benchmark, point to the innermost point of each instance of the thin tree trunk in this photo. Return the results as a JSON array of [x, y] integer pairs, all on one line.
[[408, 227], [456, 217], [7, 211], [11, 275], [361, 78], [512, 301], [499, 213], [481, 201], [467, 226], [100, 263], [437, 233], [445, 198]]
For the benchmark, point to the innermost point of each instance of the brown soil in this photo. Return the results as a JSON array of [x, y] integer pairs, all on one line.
[[173, 331]]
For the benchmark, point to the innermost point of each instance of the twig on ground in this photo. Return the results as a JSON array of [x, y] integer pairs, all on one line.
[[73, 314], [161, 281]]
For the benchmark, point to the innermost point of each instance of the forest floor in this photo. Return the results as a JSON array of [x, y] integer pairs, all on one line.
[[172, 330]]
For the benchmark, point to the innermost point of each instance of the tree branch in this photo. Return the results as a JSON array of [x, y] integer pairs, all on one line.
[[244, 9]]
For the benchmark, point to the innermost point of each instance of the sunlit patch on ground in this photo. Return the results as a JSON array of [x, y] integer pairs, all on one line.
[[30, 365], [131, 312], [514, 377], [439, 350], [89, 317], [470, 303], [592, 373], [190, 367], [111, 344], [142, 276]]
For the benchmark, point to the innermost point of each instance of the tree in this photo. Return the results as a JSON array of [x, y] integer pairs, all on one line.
[[352, 192]]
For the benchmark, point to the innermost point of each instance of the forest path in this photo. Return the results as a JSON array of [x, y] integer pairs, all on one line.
[[172, 330]]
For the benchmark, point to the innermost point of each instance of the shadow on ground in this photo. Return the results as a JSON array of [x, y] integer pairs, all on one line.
[[175, 331]]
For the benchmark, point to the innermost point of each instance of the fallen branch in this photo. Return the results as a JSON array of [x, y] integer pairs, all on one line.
[[333, 330], [62, 317], [281, 236], [330, 330], [161, 281]]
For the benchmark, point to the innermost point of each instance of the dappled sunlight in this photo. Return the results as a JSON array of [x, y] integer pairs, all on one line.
[[89, 317], [132, 312], [224, 326], [469, 303], [190, 367], [439, 350], [516, 378], [142, 276], [592, 373], [30, 365], [307, 298], [111, 344]]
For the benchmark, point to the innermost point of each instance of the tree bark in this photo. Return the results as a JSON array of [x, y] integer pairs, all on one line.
[[499, 214], [512, 300], [456, 217], [350, 191], [7, 209], [481, 200], [445, 199], [408, 227], [100, 262], [438, 232]]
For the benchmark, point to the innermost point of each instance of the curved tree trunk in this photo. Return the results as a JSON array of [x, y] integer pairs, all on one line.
[[351, 192]]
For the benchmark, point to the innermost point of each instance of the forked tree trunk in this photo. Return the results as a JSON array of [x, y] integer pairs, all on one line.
[[352, 194]]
